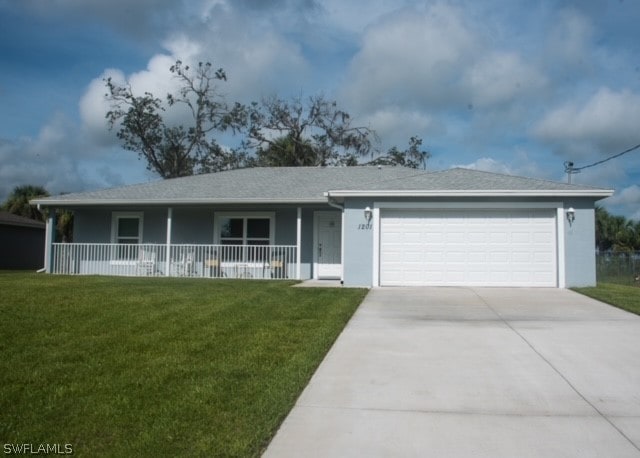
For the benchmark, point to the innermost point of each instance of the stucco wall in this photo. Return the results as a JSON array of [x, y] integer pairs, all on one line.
[[91, 226], [191, 225], [358, 243], [580, 252]]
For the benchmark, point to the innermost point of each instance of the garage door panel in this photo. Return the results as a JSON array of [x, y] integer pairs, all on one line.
[[522, 257], [521, 237], [468, 247], [477, 257], [433, 238], [434, 258], [455, 237]]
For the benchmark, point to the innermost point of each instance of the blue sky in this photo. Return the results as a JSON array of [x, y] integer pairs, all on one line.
[[500, 85]]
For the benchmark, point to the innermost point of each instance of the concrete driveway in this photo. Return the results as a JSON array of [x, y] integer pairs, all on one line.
[[473, 372]]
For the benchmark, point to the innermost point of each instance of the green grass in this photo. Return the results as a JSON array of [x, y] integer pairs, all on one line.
[[158, 367], [621, 296]]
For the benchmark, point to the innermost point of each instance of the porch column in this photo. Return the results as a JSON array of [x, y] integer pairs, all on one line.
[[49, 239], [298, 242], [167, 270]]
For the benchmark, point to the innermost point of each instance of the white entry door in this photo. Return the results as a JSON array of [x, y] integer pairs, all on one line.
[[328, 244]]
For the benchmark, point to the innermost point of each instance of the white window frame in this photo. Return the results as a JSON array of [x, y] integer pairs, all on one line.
[[115, 218], [218, 216]]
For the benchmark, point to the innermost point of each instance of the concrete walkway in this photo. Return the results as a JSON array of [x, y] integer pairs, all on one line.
[[473, 372]]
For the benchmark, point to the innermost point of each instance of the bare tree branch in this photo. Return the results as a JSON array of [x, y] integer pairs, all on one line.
[[183, 150]]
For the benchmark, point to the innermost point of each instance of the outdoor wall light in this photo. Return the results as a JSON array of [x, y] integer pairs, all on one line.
[[368, 214], [571, 215]]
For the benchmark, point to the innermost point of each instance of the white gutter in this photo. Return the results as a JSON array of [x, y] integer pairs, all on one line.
[[154, 202], [475, 193], [339, 193]]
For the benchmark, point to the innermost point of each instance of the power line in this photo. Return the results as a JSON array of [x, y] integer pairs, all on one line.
[[608, 159], [570, 169]]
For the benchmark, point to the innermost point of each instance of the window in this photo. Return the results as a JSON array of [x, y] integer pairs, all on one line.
[[245, 230], [126, 229]]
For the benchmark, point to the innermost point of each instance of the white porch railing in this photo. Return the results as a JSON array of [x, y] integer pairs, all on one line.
[[146, 260]]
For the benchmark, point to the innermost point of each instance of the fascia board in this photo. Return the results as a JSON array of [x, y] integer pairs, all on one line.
[[165, 202], [474, 193]]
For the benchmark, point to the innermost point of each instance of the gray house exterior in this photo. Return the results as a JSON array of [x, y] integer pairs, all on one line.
[[367, 226]]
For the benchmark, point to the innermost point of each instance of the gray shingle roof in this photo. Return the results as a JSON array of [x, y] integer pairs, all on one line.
[[309, 184], [9, 219]]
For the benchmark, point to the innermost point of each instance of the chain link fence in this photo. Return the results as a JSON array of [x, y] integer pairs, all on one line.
[[621, 268]]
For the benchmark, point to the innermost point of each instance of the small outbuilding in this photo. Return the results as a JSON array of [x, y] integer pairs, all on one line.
[[21, 242]]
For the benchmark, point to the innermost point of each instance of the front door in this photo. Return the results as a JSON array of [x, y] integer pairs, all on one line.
[[329, 244]]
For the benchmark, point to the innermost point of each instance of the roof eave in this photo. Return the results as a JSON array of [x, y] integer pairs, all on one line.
[[600, 193], [36, 225], [165, 202]]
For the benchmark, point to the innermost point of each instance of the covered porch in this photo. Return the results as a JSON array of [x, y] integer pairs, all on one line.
[[266, 242]]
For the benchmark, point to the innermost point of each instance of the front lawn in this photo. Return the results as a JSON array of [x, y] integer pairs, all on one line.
[[621, 296], [161, 366]]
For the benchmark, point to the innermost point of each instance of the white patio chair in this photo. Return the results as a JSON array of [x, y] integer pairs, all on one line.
[[146, 262], [185, 266]]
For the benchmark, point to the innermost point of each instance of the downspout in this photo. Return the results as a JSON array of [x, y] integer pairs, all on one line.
[[298, 241], [335, 204], [340, 207], [167, 268]]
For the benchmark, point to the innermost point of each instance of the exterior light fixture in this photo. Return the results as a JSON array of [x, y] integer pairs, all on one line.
[[368, 214], [571, 215]]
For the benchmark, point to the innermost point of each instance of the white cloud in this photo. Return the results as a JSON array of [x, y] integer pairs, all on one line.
[[625, 201], [411, 58], [487, 164], [395, 126], [627, 196], [608, 175], [94, 106], [258, 59], [500, 78], [606, 123], [568, 45], [40, 161], [156, 79], [62, 159], [519, 164]]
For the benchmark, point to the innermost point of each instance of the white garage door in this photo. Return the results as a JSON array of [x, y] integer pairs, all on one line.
[[468, 247]]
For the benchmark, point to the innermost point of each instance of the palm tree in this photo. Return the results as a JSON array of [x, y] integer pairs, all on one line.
[[64, 227], [18, 201]]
